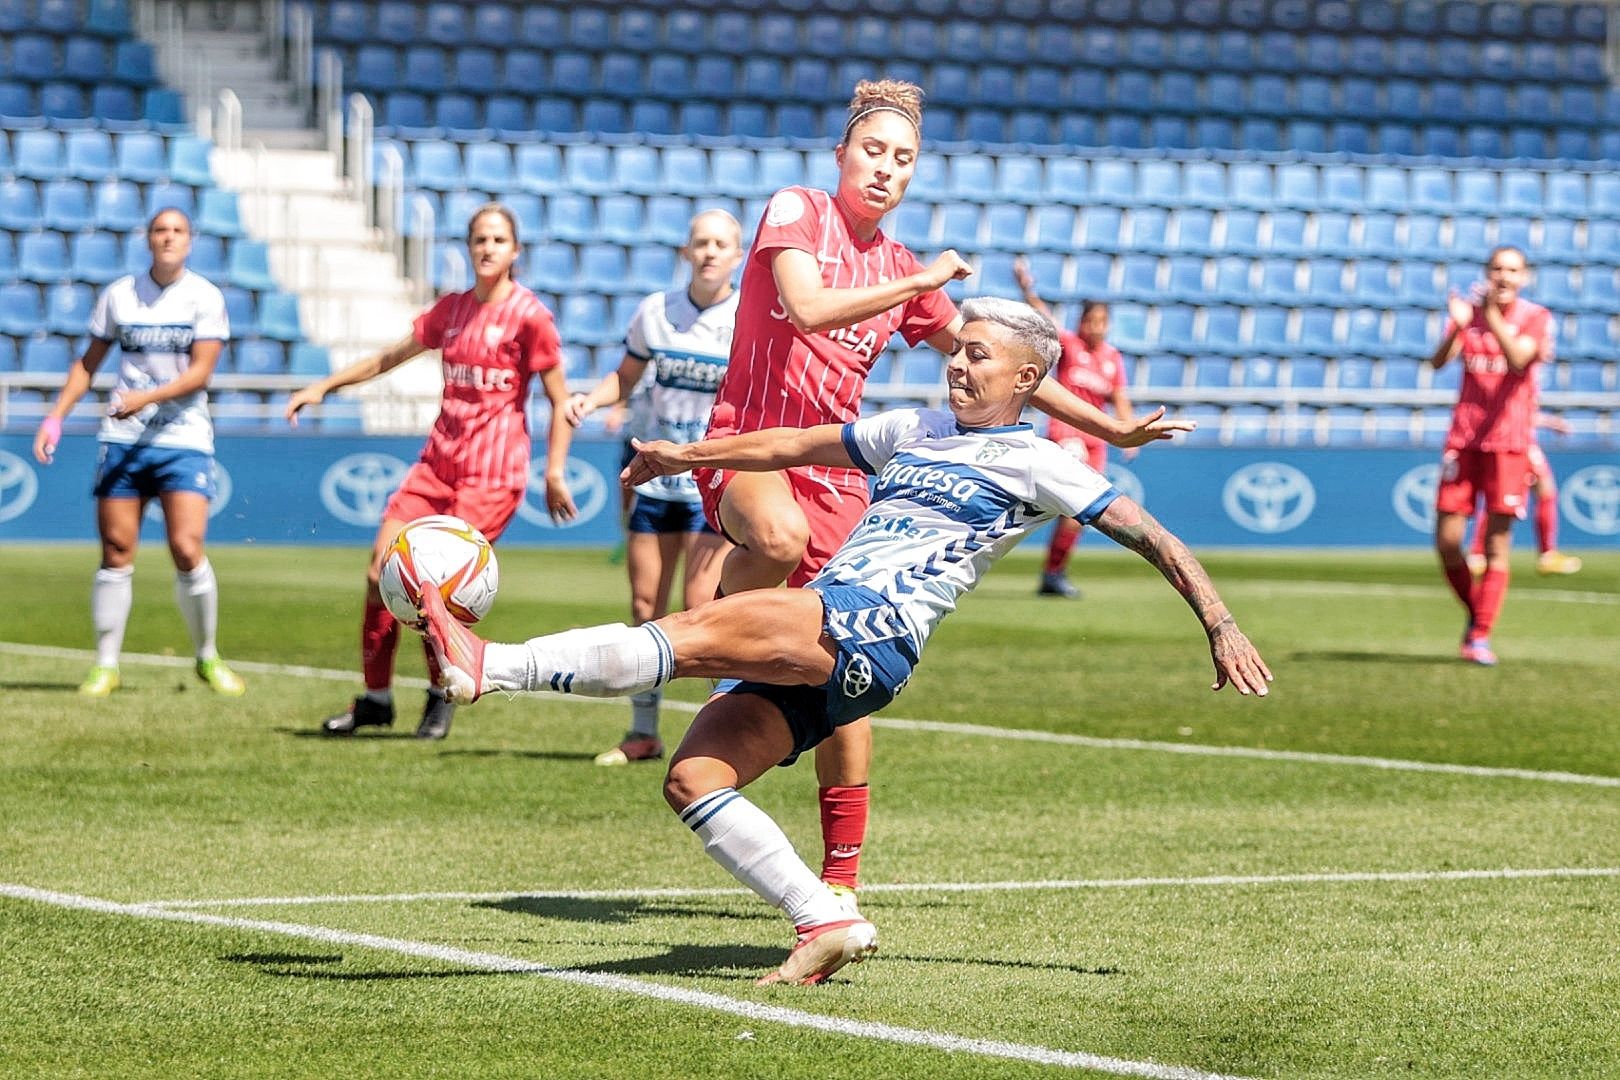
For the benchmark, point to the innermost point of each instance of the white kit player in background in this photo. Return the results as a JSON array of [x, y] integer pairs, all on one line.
[[676, 349], [954, 491], [157, 442]]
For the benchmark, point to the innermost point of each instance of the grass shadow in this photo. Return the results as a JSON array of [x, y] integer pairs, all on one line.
[[527, 755], [59, 687], [317, 733], [1350, 656], [616, 910]]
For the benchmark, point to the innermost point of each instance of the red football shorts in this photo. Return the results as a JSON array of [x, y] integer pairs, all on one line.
[[832, 512], [489, 510], [1501, 477]]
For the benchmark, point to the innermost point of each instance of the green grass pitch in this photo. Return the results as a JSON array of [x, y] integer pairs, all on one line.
[[1145, 905]]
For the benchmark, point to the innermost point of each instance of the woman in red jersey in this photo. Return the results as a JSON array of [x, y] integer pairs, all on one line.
[[823, 290], [494, 338]]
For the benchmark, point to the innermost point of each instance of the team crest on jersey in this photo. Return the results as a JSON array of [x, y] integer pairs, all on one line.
[[857, 676], [492, 336], [786, 208], [990, 451]]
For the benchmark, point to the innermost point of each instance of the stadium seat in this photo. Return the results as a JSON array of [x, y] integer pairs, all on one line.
[[21, 310], [217, 212], [46, 355], [278, 316], [65, 205], [248, 266], [258, 357], [42, 257], [1100, 228]]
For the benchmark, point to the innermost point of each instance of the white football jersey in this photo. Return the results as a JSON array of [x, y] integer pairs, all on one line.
[[687, 349], [154, 328], [949, 501]]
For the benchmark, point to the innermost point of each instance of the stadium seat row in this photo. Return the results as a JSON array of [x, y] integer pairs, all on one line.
[[84, 59], [142, 156], [72, 205], [885, 28], [476, 70], [99, 257], [108, 105], [52, 352], [109, 18], [1027, 179]]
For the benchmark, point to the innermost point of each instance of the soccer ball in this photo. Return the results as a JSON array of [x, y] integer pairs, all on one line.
[[444, 552]]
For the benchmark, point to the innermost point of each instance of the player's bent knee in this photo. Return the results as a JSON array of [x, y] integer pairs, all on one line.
[[685, 783]]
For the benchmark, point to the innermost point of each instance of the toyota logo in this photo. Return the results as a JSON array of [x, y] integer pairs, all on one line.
[[355, 489], [1127, 482], [1268, 497], [589, 489], [18, 486], [1589, 498], [857, 676], [1413, 497]]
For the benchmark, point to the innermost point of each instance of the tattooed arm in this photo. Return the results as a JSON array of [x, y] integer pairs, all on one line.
[[1236, 660]]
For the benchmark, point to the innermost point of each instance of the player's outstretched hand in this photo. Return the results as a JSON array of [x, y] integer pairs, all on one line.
[[948, 266], [309, 395], [1021, 274], [1152, 427], [1237, 661], [559, 502], [45, 440], [653, 459], [577, 409]]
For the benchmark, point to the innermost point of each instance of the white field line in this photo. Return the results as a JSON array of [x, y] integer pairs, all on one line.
[[1055, 884], [748, 1010], [943, 727]]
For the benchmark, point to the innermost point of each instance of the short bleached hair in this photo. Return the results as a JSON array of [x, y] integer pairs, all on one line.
[[1030, 328]]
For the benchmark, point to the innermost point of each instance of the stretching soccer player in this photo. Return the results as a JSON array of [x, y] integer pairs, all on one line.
[[954, 492], [1501, 337]]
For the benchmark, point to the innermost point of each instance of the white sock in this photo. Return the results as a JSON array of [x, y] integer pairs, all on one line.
[[742, 838], [198, 597], [644, 713], [381, 697], [110, 598], [597, 661]]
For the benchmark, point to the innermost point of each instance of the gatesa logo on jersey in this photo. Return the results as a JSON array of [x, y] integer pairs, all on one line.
[[689, 372], [480, 378], [929, 482], [172, 337]]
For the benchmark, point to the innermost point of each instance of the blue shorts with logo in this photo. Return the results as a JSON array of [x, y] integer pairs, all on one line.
[[650, 515], [134, 471], [874, 663]]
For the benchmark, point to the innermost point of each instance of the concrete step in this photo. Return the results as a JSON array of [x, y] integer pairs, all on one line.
[[292, 133]]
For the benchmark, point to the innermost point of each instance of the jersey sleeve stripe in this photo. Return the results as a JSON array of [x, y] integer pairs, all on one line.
[[1098, 505], [847, 437]]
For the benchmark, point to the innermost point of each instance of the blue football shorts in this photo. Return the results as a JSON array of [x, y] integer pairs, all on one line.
[[133, 471], [874, 663], [649, 515]]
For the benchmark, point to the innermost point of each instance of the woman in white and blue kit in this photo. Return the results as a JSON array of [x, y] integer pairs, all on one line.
[[157, 442], [679, 342]]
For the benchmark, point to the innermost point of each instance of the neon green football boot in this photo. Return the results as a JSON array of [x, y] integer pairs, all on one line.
[[100, 683], [220, 679]]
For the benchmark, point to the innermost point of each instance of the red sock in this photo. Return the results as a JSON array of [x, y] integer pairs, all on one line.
[[843, 831], [1488, 600], [1462, 583], [379, 636], [1064, 536], [1546, 520]]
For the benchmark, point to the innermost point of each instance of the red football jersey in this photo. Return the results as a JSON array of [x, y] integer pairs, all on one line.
[[780, 377], [1093, 375], [490, 352], [1496, 409]]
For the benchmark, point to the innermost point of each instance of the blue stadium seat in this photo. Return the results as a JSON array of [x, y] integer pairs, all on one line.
[[1158, 183], [436, 166], [461, 118], [141, 157], [619, 219], [89, 155], [42, 257], [1521, 193], [1233, 281], [1268, 331], [1410, 335], [1598, 289], [1375, 284], [347, 22], [571, 218], [258, 357], [107, 17], [1249, 184], [308, 359], [603, 268], [1442, 140], [1149, 227], [8, 355], [1162, 373], [1055, 227], [217, 212], [552, 267], [394, 21], [1317, 331], [537, 168], [1100, 228], [1139, 277], [1558, 235], [39, 155], [376, 69], [1175, 332], [207, 257], [21, 312], [46, 355], [1241, 232], [489, 165], [65, 206], [1222, 331], [248, 266], [278, 317], [1307, 373], [1279, 282], [1129, 323], [8, 256], [242, 312]]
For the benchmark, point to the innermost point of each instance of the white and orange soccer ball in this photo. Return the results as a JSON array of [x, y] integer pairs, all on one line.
[[440, 552]]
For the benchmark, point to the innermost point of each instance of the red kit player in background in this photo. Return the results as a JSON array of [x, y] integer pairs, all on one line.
[[1093, 371], [823, 290], [1501, 337], [494, 338]]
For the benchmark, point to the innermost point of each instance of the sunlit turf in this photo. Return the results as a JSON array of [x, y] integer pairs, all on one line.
[[165, 792]]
